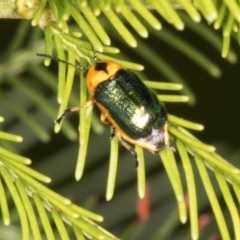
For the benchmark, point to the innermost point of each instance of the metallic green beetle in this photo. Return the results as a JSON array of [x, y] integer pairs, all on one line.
[[135, 113]]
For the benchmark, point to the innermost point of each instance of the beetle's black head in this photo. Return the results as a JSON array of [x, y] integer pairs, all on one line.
[[101, 66]]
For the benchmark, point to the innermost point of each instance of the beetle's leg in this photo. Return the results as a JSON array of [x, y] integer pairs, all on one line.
[[131, 149], [166, 139], [67, 110], [171, 147], [113, 134], [166, 136], [73, 109], [103, 119]]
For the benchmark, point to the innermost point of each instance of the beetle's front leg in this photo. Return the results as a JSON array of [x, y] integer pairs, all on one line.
[[74, 109]]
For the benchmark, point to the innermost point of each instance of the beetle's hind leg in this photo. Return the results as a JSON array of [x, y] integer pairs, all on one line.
[[131, 150]]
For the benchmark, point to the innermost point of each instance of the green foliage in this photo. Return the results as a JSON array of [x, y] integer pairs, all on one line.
[[28, 194], [64, 38]]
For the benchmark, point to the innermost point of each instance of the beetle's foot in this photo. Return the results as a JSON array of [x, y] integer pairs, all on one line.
[[58, 120], [67, 110], [171, 147], [113, 134], [134, 153], [168, 145]]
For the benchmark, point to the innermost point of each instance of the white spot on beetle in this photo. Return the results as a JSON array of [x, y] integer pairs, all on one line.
[[140, 117]]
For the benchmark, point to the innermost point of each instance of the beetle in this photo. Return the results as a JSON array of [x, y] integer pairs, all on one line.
[[134, 112]]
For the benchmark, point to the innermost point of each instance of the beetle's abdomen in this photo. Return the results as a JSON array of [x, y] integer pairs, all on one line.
[[133, 107]]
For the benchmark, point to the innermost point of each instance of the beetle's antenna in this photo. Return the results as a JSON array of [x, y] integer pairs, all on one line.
[[60, 60], [94, 54]]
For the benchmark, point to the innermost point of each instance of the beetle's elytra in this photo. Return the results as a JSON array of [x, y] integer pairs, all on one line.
[[128, 105], [136, 115]]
